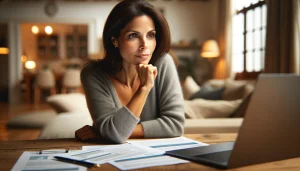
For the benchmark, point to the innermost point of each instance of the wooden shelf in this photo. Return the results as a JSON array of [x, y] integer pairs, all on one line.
[[76, 45], [47, 47]]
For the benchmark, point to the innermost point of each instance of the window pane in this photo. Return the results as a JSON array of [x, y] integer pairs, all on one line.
[[249, 61], [238, 38], [249, 39], [238, 63], [263, 38], [264, 15], [263, 59], [249, 16], [257, 61], [257, 40], [257, 18]]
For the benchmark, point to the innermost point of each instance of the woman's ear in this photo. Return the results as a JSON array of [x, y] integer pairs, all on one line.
[[114, 41]]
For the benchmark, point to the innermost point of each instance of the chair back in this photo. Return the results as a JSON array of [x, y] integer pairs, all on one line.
[[45, 79], [71, 78]]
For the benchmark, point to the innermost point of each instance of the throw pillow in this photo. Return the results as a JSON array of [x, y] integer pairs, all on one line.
[[189, 87], [208, 92], [72, 102], [65, 125], [36, 119], [201, 108], [234, 90]]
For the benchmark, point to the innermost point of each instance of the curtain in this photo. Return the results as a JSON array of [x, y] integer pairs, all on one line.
[[279, 37], [223, 64], [296, 52]]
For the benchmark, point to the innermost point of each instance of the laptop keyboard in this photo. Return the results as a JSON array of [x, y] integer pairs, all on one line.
[[222, 156]]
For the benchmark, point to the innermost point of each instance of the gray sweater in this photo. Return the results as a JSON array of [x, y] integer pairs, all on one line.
[[161, 117]]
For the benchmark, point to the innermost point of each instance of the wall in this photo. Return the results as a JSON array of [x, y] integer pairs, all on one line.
[[188, 20]]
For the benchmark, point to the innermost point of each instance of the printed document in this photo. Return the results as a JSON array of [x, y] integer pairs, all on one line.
[[145, 157], [146, 161], [168, 144], [104, 154], [32, 160]]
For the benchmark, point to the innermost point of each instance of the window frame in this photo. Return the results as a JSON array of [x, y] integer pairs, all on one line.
[[245, 75]]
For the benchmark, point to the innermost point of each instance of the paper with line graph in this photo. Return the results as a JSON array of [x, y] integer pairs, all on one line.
[[168, 144]]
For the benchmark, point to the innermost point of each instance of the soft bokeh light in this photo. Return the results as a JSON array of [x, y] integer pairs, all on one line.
[[34, 29], [4, 50], [30, 65], [48, 30], [23, 58]]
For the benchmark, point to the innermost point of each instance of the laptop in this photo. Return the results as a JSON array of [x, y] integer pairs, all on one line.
[[269, 132]]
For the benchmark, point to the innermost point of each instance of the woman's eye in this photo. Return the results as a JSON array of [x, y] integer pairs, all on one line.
[[133, 35], [151, 35]]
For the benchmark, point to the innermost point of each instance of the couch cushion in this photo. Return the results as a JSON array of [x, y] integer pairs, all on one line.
[[201, 108], [35, 119], [72, 102], [189, 87], [208, 92], [65, 125], [212, 125], [234, 90]]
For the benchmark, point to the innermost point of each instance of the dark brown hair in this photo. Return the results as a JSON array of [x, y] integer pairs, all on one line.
[[119, 17]]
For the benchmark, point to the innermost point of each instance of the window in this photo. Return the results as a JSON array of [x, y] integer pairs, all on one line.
[[249, 32]]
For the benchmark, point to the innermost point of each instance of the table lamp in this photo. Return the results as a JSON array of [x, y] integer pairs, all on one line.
[[210, 49]]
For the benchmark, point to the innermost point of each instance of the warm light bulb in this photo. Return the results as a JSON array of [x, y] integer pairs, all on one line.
[[30, 65], [48, 30], [34, 29], [23, 58]]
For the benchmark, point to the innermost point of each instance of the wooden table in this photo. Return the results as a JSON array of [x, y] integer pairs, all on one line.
[[10, 151]]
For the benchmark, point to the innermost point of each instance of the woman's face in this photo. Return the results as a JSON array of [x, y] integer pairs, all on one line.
[[137, 41]]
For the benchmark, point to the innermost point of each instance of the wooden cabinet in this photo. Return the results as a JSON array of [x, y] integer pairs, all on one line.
[[47, 46], [76, 46]]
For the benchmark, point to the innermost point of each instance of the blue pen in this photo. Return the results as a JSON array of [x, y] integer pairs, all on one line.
[[82, 162]]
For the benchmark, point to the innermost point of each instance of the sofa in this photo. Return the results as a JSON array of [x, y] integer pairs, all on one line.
[[203, 115]]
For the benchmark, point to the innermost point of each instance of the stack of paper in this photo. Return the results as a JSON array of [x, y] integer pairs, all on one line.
[[133, 155]]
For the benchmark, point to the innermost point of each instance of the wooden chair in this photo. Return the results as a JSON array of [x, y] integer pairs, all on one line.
[[45, 80], [71, 81]]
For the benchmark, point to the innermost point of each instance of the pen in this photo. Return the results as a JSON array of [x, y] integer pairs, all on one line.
[[83, 163]]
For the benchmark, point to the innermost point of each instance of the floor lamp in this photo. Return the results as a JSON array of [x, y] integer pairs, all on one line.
[[210, 50]]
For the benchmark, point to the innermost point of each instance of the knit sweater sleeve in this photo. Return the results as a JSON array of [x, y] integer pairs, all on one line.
[[114, 123], [170, 116]]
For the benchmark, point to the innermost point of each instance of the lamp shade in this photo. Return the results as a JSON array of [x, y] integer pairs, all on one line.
[[210, 49]]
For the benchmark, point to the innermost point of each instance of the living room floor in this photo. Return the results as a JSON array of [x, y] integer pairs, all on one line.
[[9, 111]]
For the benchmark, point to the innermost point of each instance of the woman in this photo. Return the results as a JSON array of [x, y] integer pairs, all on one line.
[[134, 91]]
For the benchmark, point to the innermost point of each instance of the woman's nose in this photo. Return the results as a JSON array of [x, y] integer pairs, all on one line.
[[143, 44]]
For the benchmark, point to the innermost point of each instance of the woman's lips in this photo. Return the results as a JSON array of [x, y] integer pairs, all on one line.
[[143, 56]]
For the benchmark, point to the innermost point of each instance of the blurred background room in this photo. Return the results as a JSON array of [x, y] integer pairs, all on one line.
[[43, 45]]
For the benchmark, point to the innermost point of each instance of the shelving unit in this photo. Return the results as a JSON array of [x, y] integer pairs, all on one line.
[[47, 46], [76, 46]]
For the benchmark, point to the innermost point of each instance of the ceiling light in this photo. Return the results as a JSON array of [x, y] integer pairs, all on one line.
[[34, 29], [48, 30]]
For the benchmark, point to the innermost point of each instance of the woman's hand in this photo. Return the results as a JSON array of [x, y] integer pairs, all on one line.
[[147, 75], [86, 133]]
